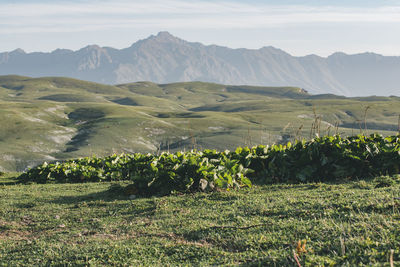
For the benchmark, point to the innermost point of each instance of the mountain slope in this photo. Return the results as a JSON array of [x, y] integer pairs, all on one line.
[[165, 59], [43, 119]]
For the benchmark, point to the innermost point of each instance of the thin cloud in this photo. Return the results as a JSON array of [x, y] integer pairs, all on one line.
[[178, 14]]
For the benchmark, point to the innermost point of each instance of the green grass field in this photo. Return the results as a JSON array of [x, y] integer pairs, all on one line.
[[44, 119], [95, 224]]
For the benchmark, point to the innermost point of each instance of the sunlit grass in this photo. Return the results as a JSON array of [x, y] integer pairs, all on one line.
[[349, 223]]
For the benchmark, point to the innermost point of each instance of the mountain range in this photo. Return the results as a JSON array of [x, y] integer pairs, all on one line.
[[165, 58]]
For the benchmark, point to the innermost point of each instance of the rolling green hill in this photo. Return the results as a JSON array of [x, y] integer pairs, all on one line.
[[43, 119]]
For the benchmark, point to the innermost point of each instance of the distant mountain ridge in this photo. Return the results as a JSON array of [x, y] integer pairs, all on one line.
[[165, 58]]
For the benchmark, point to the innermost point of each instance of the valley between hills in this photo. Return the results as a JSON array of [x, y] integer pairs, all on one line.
[[54, 118], [46, 119]]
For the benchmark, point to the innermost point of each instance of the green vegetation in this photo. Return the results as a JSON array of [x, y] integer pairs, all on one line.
[[339, 204], [47, 119], [151, 175], [352, 224], [326, 158]]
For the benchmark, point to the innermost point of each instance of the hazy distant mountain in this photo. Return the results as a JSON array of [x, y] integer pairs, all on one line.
[[165, 58]]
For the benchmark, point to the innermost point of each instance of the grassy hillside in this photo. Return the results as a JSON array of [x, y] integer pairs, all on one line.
[[44, 119], [347, 224]]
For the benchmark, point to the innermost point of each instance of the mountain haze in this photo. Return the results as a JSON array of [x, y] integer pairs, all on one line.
[[165, 58]]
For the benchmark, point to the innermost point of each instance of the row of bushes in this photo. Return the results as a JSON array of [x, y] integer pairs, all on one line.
[[322, 159]]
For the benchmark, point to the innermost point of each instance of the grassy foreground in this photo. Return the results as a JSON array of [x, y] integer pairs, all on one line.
[[352, 223]]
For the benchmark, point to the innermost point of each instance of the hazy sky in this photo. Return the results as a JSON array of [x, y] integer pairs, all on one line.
[[298, 27]]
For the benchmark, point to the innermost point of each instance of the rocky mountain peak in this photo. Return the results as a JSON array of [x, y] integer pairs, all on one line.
[[164, 58], [18, 51], [165, 37], [92, 48]]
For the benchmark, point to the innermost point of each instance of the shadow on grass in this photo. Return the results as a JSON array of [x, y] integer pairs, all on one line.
[[108, 195], [103, 198], [9, 179]]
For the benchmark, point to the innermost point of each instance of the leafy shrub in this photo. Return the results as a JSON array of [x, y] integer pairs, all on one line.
[[322, 159], [326, 159]]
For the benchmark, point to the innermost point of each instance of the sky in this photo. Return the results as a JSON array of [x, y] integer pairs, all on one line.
[[300, 28]]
